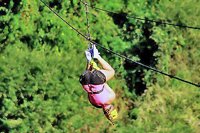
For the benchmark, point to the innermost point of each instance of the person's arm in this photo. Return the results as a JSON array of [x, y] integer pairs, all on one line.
[[107, 70], [87, 66]]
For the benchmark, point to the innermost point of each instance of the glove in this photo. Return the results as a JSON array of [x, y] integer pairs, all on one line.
[[88, 55], [95, 52]]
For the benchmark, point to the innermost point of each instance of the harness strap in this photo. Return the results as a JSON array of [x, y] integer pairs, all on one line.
[[95, 92], [94, 65]]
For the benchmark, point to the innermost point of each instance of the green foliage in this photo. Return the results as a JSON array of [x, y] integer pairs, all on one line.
[[41, 59]]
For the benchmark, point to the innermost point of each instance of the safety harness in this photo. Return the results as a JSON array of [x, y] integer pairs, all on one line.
[[95, 92]]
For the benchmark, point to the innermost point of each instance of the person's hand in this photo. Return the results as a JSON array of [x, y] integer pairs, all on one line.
[[95, 52], [88, 55]]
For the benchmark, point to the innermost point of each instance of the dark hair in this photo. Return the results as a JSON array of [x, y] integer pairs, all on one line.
[[92, 77], [85, 77]]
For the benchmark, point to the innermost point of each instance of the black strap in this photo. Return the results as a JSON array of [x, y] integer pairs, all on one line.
[[96, 92]]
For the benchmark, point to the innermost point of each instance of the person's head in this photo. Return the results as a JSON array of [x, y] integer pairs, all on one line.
[[92, 77], [85, 77]]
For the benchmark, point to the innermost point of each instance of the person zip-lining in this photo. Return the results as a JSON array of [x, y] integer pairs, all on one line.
[[94, 80]]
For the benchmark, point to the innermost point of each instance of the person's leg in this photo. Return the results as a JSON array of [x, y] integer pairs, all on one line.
[[111, 94], [108, 109], [110, 112]]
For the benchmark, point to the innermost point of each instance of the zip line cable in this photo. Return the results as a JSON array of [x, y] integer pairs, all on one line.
[[87, 22], [146, 19], [122, 56]]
